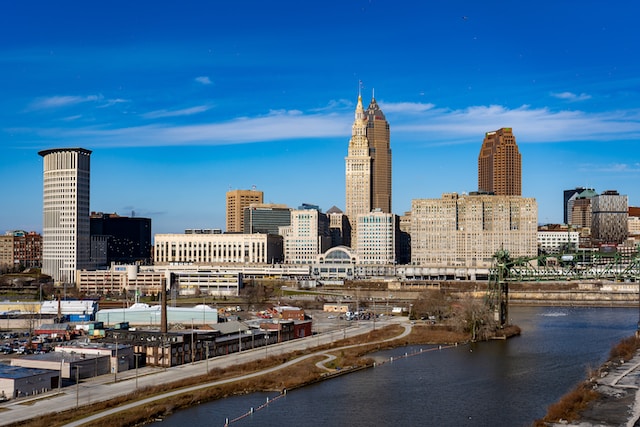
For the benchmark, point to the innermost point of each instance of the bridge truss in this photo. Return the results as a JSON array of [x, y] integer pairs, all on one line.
[[613, 267]]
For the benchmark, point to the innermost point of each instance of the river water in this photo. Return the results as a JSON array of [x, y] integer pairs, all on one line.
[[497, 383]]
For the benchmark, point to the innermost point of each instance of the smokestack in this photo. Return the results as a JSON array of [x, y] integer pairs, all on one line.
[[163, 312], [59, 318]]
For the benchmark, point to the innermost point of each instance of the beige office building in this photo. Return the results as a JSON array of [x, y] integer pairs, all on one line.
[[237, 200], [467, 230], [500, 164], [6, 252], [368, 165]]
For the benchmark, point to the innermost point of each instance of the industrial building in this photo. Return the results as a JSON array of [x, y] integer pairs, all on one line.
[[18, 381]]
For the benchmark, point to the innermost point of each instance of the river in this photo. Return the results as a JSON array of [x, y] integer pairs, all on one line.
[[497, 383]]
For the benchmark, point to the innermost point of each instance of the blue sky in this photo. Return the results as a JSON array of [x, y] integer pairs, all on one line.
[[182, 101]]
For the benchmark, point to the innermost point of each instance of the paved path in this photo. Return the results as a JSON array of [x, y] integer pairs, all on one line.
[[103, 388]]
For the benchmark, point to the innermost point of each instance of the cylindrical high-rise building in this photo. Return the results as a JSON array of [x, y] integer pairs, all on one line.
[[66, 240]]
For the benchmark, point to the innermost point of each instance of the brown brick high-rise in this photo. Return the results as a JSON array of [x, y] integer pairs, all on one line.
[[500, 164], [237, 200]]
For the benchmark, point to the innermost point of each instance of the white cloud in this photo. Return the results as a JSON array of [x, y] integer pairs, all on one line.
[[410, 123], [405, 107], [176, 113], [612, 168], [570, 96], [62, 101], [279, 125], [203, 80], [334, 105], [111, 102], [531, 125]]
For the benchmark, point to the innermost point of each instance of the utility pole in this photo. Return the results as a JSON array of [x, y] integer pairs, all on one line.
[[115, 370], [77, 385]]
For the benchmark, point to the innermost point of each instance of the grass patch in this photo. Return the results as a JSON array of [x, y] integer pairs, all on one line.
[[570, 405], [625, 349]]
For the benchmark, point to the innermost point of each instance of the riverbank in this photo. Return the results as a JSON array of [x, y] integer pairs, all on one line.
[[609, 398], [302, 368]]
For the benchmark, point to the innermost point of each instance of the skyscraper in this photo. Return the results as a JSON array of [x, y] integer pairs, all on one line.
[[266, 218], [609, 218], [368, 164], [379, 146], [237, 200], [66, 241], [500, 164], [128, 239], [569, 196]]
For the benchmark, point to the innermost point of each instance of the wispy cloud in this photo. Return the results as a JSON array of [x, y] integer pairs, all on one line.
[[623, 168], [176, 113], [420, 123], [61, 101], [570, 96], [277, 125], [115, 101], [334, 105], [203, 80], [406, 107], [72, 118], [531, 125]]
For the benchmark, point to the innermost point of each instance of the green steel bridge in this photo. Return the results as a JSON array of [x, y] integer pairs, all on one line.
[[580, 266]]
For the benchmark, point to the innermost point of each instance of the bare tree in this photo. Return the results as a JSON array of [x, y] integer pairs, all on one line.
[[30, 319], [432, 303], [474, 317]]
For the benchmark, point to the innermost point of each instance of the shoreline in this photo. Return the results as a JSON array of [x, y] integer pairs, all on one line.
[[609, 397], [151, 403]]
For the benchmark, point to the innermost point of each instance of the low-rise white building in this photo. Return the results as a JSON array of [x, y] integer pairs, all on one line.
[[552, 241], [217, 248]]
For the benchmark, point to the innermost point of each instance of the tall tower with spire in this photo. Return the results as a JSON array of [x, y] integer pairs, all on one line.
[[368, 165]]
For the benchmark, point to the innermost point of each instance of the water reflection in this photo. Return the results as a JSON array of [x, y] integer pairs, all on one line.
[[508, 383]]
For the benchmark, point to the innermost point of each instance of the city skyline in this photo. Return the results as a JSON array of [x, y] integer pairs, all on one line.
[[181, 104]]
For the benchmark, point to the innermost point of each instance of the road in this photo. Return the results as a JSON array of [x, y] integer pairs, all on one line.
[[104, 388]]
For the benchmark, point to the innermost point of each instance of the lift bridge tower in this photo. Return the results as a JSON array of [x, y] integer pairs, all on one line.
[[498, 294]]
